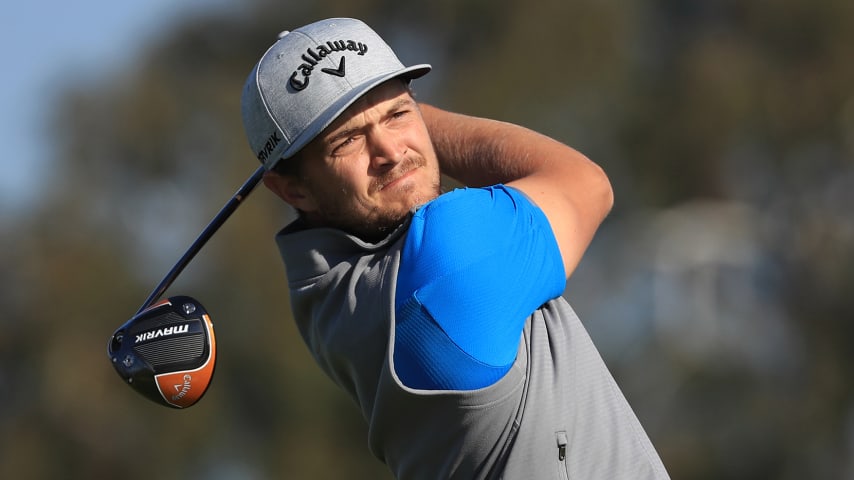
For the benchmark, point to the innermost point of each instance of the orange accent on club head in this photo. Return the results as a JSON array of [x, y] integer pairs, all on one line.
[[185, 388]]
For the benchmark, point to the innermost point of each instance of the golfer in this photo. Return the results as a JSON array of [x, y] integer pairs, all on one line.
[[440, 314]]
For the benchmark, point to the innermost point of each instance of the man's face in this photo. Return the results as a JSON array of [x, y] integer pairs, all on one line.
[[366, 171]]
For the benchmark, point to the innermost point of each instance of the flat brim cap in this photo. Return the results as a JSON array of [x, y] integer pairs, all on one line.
[[308, 78]]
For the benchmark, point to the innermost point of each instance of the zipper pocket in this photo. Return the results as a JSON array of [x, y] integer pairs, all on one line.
[[561, 454]]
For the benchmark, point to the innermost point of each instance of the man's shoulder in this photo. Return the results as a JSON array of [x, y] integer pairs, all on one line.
[[466, 200]]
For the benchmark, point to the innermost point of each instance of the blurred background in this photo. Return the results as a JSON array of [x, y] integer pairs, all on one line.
[[719, 291]]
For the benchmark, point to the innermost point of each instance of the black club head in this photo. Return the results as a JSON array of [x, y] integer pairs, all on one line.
[[167, 352]]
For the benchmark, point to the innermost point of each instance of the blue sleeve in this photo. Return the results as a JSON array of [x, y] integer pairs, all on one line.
[[475, 264]]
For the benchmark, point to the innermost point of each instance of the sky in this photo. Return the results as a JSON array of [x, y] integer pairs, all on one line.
[[44, 41]]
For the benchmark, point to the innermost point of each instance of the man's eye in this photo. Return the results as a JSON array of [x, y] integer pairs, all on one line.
[[341, 147]]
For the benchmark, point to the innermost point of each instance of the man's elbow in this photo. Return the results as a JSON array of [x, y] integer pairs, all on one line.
[[601, 191]]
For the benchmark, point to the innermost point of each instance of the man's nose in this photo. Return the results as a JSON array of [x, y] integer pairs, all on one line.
[[387, 149]]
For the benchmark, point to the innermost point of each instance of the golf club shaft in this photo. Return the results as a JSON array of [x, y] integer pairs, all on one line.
[[206, 234]]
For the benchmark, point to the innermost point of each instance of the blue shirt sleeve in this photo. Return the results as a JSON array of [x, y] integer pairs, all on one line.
[[475, 264]]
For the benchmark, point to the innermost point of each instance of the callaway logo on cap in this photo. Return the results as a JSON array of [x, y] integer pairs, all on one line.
[[300, 78], [308, 78]]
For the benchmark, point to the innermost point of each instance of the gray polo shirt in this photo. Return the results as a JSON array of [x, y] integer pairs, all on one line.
[[556, 414]]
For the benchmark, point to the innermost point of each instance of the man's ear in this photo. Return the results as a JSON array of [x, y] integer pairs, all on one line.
[[290, 189]]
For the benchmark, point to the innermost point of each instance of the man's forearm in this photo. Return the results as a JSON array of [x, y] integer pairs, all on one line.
[[479, 152]]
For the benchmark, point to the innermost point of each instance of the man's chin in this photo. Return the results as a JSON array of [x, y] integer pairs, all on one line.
[[415, 202], [375, 225]]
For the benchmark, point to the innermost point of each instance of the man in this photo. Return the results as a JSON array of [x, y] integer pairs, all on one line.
[[440, 314]]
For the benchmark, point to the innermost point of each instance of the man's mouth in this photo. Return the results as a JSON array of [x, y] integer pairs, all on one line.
[[393, 177], [390, 182]]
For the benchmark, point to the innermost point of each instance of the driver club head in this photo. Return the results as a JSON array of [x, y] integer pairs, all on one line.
[[167, 352]]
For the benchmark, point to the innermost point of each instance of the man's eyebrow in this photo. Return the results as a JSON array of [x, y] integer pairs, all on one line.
[[397, 105], [401, 103], [342, 134]]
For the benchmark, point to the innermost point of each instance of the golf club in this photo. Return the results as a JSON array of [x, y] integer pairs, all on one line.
[[167, 351]]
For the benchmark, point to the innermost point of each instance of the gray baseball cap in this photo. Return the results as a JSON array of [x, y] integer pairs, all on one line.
[[308, 78]]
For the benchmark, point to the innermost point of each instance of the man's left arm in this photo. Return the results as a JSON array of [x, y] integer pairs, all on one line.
[[572, 191]]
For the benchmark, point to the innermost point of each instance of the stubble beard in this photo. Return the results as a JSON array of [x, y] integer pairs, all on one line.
[[375, 222]]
